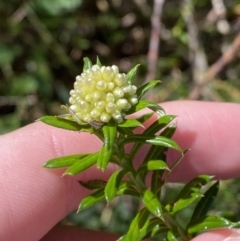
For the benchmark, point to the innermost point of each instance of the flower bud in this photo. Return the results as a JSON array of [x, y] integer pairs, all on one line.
[[102, 94]]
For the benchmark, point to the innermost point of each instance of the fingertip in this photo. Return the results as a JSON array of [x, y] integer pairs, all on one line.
[[219, 235]]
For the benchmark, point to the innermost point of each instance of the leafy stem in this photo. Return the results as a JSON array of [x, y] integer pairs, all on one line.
[[99, 103]]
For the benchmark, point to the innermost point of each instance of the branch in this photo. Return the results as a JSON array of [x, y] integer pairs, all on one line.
[[154, 43], [198, 59], [214, 69]]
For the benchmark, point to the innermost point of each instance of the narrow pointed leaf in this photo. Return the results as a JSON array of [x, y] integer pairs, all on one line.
[[171, 222], [87, 64], [158, 152], [91, 199], [206, 201], [145, 88], [61, 123], [82, 165], [193, 186], [99, 62], [154, 140], [183, 203], [154, 153], [145, 117], [125, 131], [163, 141], [131, 74], [156, 181], [64, 161], [153, 227], [109, 132], [171, 236], [93, 184], [153, 165], [207, 223], [113, 184], [152, 203], [104, 158], [146, 104], [123, 238], [126, 188], [66, 116], [169, 131], [136, 224], [159, 124], [130, 123]]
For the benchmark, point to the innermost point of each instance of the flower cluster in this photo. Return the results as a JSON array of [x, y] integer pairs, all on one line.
[[102, 94]]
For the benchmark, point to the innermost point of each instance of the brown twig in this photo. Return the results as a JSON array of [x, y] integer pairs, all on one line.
[[197, 55], [217, 67], [154, 43]]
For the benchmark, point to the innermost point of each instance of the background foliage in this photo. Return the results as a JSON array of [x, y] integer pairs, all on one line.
[[42, 44]]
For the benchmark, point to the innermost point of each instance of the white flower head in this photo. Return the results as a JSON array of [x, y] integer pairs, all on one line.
[[101, 94]]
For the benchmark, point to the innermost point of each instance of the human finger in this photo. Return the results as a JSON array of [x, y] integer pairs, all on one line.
[[34, 199], [71, 233], [210, 130]]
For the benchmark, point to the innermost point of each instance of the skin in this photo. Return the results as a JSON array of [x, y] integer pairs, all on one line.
[[34, 199]]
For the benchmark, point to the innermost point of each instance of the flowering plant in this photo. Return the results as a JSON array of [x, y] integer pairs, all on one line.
[[99, 103]]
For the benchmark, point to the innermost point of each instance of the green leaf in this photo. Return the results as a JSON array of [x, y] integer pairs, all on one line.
[[152, 203], [109, 133], [159, 124], [61, 123], [104, 158], [145, 88], [153, 227], [123, 238], [172, 224], [193, 186], [171, 236], [125, 131], [156, 181], [206, 201], [153, 165], [95, 197], [183, 203], [57, 8], [113, 184], [93, 184], [99, 62], [136, 224], [153, 140], [131, 74], [87, 64], [130, 123], [64, 161], [126, 188], [155, 127], [145, 117], [82, 165], [146, 104], [156, 152], [207, 223]]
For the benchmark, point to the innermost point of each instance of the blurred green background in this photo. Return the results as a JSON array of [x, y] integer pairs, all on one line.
[[42, 45]]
